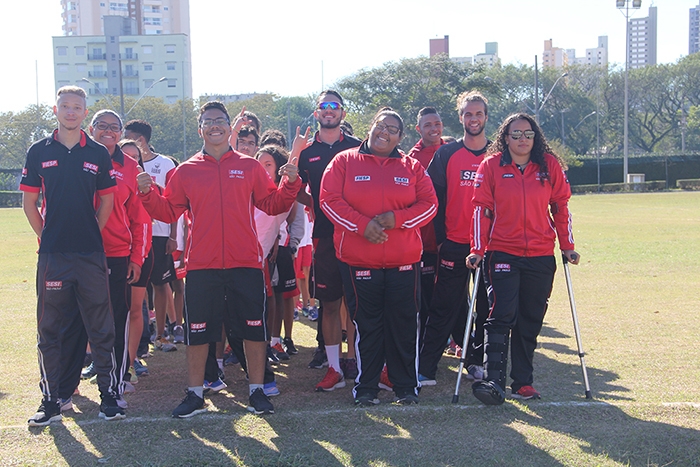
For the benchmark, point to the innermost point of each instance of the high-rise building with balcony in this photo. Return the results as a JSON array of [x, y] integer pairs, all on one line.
[[694, 30], [642, 40]]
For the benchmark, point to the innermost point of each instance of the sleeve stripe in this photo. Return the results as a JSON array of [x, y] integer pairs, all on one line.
[[411, 223], [337, 218], [477, 228]]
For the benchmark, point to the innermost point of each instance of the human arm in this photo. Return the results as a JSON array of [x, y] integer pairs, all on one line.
[[482, 217], [165, 207], [29, 205], [437, 170], [105, 209], [422, 211], [271, 199], [559, 207], [297, 226]]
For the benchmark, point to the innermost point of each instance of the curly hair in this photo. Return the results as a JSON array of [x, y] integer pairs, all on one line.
[[540, 146]]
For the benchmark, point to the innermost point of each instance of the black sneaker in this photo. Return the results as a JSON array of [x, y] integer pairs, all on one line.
[[489, 392], [88, 372], [48, 411], [320, 360], [190, 406], [406, 399], [289, 346], [259, 403], [350, 370], [110, 410], [271, 357], [366, 400]]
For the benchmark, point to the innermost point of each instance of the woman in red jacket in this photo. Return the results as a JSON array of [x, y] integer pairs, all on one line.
[[521, 200], [378, 198]]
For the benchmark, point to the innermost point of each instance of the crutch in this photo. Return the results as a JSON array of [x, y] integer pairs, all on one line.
[[467, 330], [576, 328]]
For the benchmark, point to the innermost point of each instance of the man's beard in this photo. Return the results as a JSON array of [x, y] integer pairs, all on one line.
[[330, 125]]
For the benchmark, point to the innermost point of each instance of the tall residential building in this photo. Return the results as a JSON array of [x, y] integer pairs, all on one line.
[[642, 40], [490, 55], [598, 55], [694, 30], [440, 46], [554, 57], [120, 64], [84, 17]]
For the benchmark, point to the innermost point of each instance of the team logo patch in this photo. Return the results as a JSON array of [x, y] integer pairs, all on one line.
[[363, 275], [24, 172], [290, 283], [156, 168], [315, 159], [89, 167], [362, 178], [117, 174], [447, 264], [508, 176], [408, 267], [198, 327], [466, 177], [501, 267], [403, 181], [428, 269], [233, 173], [54, 285], [47, 164], [254, 322]]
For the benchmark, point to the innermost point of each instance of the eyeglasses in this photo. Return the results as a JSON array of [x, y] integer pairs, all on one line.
[[242, 142], [517, 134], [393, 130], [102, 126], [330, 105], [208, 122]]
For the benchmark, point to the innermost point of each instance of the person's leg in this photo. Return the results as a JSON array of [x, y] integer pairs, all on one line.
[[135, 321], [476, 341], [428, 267], [74, 341], [536, 279], [120, 298], [178, 286]]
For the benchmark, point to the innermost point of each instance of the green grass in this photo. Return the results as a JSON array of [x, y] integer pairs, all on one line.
[[638, 297]]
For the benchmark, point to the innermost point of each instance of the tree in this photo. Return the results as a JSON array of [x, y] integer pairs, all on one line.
[[18, 130]]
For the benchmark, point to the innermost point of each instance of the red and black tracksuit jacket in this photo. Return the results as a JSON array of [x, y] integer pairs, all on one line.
[[425, 154]]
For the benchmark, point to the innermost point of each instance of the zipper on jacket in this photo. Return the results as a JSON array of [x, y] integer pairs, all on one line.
[[221, 206], [522, 179]]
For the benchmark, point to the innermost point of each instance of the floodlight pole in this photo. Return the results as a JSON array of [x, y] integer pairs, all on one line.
[[624, 7], [538, 109]]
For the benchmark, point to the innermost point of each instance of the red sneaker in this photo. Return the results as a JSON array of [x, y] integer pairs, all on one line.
[[384, 382], [333, 380], [525, 393]]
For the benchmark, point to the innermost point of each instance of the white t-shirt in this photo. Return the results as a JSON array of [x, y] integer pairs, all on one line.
[[159, 167]]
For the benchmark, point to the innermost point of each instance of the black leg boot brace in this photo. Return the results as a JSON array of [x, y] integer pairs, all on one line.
[[490, 391]]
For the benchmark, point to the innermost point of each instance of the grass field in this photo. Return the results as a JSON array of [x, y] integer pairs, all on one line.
[[638, 298]]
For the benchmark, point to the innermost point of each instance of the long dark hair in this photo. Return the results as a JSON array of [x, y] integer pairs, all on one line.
[[278, 154], [539, 148]]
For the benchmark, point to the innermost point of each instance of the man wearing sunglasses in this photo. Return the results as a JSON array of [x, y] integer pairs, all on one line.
[[453, 170], [327, 286]]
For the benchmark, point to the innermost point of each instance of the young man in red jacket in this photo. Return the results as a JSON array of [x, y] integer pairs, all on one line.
[[220, 187]]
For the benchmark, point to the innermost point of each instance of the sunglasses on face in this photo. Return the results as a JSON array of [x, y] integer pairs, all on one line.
[[330, 105], [394, 130], [517, 134], [208, 122], [102, 126]]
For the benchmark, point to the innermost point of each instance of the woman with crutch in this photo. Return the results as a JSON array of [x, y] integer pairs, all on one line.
[[378, 198], [520, 205]]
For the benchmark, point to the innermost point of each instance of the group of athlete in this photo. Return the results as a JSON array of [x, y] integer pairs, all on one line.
[[394, 238]]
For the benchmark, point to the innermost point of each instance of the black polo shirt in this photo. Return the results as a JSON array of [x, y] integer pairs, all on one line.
[[69, 180], [312, 163]]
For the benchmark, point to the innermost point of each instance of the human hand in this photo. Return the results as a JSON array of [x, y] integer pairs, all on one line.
[[375, 233]]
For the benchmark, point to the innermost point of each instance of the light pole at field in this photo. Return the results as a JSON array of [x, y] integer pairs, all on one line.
[[144, 95]]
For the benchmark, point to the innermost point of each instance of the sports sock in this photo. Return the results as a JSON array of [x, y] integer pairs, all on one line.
[[333, 355], [220, 362], [275, 341], [253, 387], [199, 390]]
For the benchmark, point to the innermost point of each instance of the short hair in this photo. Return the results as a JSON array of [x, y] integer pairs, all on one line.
[[247, 130], [346, 128], [332, 93], [388, 111], [275, 137], [426, 111], [102, 112], [77, 90], [140, 127], [471, 96], [449, 139], [217, 105], [279, 155], [131, 142], [253, 118]]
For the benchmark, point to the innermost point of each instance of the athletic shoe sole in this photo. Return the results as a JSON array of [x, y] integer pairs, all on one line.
[[252, 409], [488, 394], [338, 385], [119, 416], [55, 418], [191, 414]]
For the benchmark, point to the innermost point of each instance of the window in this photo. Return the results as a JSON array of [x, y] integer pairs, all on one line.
[[80, 50], [172, 83], [170, 66], [169, 49], [147, 49], [147, 67], [61, 51], [80, 68], [114, 73], [62, 67], [112, 39], [147, 83]]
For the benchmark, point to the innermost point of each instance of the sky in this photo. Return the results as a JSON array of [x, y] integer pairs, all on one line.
[[298, 48]]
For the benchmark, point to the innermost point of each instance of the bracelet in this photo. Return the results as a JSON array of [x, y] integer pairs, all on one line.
[[173, 239]]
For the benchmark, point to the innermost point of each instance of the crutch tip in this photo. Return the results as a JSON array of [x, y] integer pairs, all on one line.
[[455, 398], [589, 395]]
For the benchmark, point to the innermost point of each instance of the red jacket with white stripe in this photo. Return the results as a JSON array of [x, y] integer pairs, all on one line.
[[357, 186], [127, 228], [526, 215], [425, 154], [221, 197]]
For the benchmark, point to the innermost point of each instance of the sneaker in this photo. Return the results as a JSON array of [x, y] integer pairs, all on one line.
[[289, 346], [259, 403], [93, 380], [279, 351], [48, 411], [305, 311], [350, 370], [110, 410], [296, 314], [190, 406], [133, 378], [272, 357], [88, 372], [220, 373], [407, 399], [453, 349], [66, 404], [489, 392], [140, 368], [366, 400], [313, 313], [384, 382], [122, 403], [87, 360], [525, 393], [320, 360], [178, 335], [333, 380], [164, 345], [214, 386], [128, 389], [231, 359], [475, 372], [425, 381], [271, 389]]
